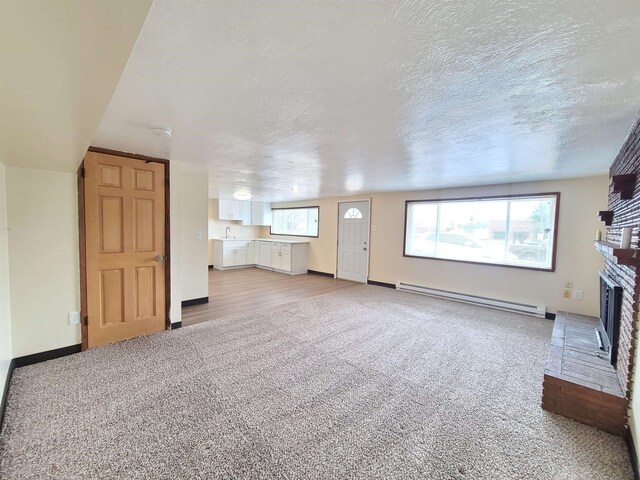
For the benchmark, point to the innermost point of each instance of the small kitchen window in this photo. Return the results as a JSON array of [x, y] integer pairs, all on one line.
[[298, 221]]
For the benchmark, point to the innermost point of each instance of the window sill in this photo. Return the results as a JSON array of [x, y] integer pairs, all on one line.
[[506, 265]]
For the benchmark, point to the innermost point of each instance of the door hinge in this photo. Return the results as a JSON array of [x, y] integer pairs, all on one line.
[[86, 321], [82, 172]]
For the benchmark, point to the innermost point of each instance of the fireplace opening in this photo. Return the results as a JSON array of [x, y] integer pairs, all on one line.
[[609, 326]]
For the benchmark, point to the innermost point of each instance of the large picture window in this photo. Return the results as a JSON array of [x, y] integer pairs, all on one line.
[[300, 222], [518, 231]]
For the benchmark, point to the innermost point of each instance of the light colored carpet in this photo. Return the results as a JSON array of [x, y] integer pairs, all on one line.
[[362, 383]]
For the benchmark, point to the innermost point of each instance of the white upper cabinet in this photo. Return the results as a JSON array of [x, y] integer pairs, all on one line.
[[231, 209], [249, 213], [259, 214]]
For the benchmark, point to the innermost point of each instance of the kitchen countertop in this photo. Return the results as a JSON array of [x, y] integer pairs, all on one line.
[[273, 240]]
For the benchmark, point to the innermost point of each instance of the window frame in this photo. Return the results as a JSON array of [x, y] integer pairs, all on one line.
[[353, 218], [488, 197], [317, 207]]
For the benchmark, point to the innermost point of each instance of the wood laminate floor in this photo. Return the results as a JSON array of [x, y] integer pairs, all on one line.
[[251, 289]]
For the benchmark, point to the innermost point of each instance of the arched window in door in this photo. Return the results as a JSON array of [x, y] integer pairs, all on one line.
[[353, 213]]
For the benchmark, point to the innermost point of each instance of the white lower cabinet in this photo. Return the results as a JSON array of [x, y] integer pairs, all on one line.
[[233, 253], [289, 258], [251, 253], [285, 257], [228, 257], [264, 254], [281, 256]]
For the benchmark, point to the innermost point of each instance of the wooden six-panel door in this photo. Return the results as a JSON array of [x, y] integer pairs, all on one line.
[[124, 203]]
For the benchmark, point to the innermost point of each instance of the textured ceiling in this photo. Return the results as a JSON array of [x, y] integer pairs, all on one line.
[[60, 62], [291, 99]]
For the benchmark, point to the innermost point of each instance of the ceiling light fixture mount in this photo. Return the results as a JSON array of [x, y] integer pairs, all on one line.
[[162, 132], [242, 196]]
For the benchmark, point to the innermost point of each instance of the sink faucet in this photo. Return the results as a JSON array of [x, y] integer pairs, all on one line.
[[227, 231]]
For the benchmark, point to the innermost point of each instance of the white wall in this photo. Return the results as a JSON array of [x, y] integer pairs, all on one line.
[[61, 63], [192, 225], [5, 311], [577, 260], [175, 255], [42, 210]]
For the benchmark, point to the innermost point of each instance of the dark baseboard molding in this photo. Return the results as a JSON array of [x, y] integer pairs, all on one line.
[[30, 360], [381, 284], [176, 325], [550, 316], [195, 301], [5, 391], [322, 274], [48, 355], [632, 453]]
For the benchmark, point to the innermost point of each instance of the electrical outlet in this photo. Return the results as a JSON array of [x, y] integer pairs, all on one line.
[[567, 293], [577, 294], [198, 235], [74, 318], [568, 284]]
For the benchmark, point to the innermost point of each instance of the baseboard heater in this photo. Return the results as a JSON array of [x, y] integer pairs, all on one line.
[[535, 310]]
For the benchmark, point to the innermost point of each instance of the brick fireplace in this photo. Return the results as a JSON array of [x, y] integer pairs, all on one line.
[[626, 213], [580, 382]]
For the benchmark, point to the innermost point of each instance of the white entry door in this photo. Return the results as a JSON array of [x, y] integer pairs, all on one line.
[[353, 240]]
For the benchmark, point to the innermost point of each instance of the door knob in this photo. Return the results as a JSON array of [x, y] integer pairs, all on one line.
[[158, 258]]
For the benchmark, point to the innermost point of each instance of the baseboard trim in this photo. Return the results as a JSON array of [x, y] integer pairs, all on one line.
[[632, 453], [30, 360], [381, 284], [550, 316], [5, 392], [322, 274], [195, 301], [176, 325], [48, 355]]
